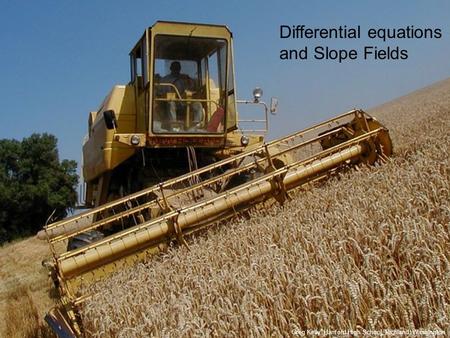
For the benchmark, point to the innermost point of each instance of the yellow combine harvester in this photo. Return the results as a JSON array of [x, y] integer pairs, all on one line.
[[165, 156]]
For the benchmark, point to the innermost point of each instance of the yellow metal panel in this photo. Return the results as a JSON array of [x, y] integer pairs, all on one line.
[[100, 152], [117, 153], [179, 28]]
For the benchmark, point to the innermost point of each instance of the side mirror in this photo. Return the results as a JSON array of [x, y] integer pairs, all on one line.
[[273, 105], [110, 119]]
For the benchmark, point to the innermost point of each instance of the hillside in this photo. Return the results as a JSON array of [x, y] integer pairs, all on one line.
[[368, 250], [25, 290]]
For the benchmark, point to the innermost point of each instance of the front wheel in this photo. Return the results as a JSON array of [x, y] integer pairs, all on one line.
[[84, 239]]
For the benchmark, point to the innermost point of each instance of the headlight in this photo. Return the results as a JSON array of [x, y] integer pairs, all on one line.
[[245, 140], [257, 94], [135, 140]]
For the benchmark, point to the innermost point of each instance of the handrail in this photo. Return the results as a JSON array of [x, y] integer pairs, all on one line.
[[266, 115]]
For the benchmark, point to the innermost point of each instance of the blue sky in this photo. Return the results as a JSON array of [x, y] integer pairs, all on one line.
[[60, 58]]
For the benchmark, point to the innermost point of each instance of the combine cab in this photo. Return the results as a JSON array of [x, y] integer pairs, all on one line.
[[181, 95], [165, 158]]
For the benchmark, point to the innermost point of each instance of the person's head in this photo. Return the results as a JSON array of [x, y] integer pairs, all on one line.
[[175, 67]]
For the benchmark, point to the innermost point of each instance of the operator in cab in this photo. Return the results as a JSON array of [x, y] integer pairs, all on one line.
[[185, 86]]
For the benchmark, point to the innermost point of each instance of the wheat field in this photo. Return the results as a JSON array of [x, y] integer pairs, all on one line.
[[25, 290], [368, 250]]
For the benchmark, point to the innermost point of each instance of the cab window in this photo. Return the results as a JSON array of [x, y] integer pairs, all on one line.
[[189, 92], [138, 60]]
